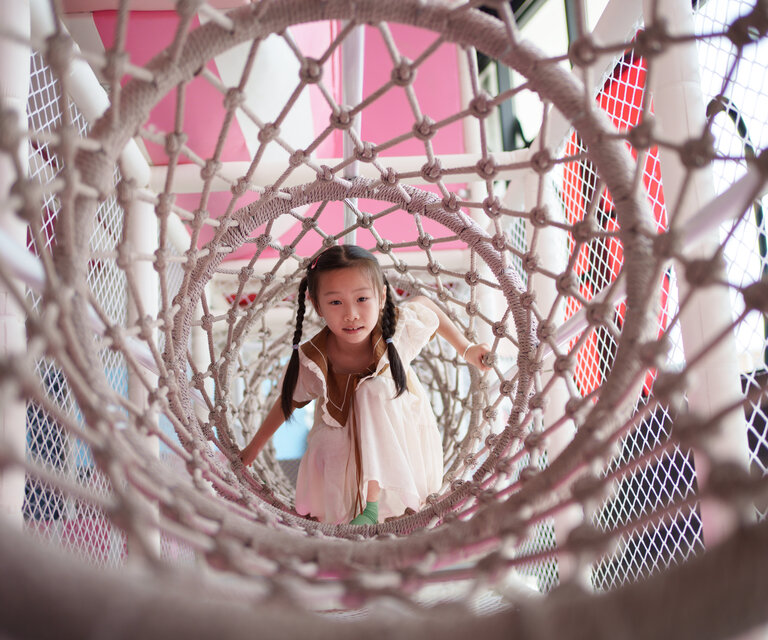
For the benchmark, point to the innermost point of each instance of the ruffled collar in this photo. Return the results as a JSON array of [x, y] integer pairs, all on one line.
[[340, 387]]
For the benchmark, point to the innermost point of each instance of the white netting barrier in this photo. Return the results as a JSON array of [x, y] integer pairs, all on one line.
[[617, 448], [49, 513]]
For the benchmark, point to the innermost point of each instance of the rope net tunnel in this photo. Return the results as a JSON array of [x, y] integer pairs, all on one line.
[[607, 476]]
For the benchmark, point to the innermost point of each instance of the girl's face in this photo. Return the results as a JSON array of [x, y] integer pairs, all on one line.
[[350, 304]]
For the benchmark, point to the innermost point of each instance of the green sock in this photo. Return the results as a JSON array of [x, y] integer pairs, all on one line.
[[370, 514]]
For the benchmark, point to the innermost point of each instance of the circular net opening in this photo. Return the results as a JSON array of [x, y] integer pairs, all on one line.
[[151, 316]]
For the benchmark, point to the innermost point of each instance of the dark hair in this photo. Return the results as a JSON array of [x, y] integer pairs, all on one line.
[[342, 257]]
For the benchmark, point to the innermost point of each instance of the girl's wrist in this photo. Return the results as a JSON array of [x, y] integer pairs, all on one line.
[[467, 348]]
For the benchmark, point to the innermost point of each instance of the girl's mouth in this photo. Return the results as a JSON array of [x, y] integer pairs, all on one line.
[[352, 329]]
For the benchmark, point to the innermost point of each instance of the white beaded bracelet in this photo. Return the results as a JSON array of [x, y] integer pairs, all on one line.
[[464, 355]]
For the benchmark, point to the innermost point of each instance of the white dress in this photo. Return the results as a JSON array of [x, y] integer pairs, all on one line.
[[399, 443]]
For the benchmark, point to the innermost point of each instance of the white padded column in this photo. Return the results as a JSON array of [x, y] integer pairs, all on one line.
[[680, 116], [14, 87]]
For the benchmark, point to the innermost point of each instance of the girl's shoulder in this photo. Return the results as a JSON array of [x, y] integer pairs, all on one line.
[[416, 309], [416, 326], [314, 351]]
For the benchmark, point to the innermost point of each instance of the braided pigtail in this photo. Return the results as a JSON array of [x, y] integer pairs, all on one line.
[[388, 326], [292, 372]]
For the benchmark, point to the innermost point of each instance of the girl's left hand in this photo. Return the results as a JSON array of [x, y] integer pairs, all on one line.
[[474, 355]]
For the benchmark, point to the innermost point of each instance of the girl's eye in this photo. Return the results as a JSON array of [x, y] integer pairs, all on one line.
[[362, 299]]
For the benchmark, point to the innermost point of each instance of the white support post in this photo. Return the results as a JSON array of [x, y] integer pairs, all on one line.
[[715, 383], [141, 234], [352, 62], [14, 88], [472, 141], [490, 302], [552, 250], [201, 356]]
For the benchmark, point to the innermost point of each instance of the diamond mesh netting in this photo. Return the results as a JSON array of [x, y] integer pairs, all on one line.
[[607, 477]]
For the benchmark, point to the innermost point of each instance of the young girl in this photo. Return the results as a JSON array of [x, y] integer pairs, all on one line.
[[374, 449]]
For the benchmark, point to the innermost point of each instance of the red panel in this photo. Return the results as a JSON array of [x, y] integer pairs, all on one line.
[[622, 100]]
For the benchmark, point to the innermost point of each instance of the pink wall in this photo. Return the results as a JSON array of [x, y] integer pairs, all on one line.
[[148, 33], [436, 86]]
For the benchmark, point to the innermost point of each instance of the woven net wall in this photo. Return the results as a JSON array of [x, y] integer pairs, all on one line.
[[48, 512], [607, 478]]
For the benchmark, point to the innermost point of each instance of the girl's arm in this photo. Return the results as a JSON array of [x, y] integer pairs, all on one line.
[[473, 353], [271, 423]]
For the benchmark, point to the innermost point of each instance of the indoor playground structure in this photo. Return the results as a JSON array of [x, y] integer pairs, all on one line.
[[581, 184]]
